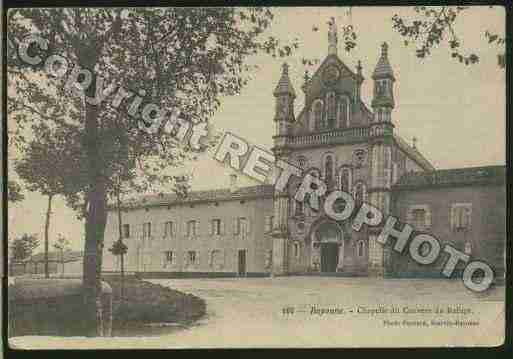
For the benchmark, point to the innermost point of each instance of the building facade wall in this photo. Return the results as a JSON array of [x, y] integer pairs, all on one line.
[[486, 232], [149, 254]]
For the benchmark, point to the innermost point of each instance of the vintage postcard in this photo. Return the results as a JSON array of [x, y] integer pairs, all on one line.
[[267, 177]]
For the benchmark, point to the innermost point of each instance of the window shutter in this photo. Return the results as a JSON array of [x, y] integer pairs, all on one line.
[[185, 228], [223, 227], [198, 261], [469, 216], [427, 219], [452, 217], [210, 258], [185, 258], [164, 259]]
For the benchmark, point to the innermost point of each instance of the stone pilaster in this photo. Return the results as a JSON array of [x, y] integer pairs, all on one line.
[[280, 234]]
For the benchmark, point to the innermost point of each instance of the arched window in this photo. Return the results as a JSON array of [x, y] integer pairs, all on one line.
[[359, 194], [331, 110], [317, 115], [381, 87], [328, 169], [386, 115], [344, 113], [345, 179], [299, 208], [380, 115], [360, 248], [297, 249]]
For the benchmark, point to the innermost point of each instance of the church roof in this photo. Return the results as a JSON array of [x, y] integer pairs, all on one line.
[[223, 194], [383, 67], [414, 154], [453, 177]]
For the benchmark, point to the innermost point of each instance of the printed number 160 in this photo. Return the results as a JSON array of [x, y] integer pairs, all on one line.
[[288, 310]]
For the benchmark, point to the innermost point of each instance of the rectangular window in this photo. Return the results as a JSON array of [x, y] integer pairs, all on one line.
[[147, 230], [169, 230], [126, 231], [418, 217], [169, 257], [191, 257], [243, 228], [461, 216], [216, 227], [269, 223], [395, 172], [296, 250], [269, 259], [191, 228]]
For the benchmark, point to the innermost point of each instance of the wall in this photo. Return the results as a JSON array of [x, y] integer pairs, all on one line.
[[256, 243], [488, 227]]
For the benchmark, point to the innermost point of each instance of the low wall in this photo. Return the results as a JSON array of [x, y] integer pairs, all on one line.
[[52, 307], [176, 275]]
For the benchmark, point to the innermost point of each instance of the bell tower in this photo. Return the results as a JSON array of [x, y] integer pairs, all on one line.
[[284, 118], [381, 142], [285, 95], [383, 99]]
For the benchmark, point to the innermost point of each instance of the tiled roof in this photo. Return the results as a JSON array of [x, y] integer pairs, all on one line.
[[203, 196], [414, 154], [453, 177]]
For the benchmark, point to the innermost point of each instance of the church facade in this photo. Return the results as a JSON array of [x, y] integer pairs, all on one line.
[[257, 231]]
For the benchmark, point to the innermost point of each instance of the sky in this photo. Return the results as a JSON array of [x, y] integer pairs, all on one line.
[[456, 112]]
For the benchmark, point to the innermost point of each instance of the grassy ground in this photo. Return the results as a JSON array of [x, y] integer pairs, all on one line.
[[146, 303]]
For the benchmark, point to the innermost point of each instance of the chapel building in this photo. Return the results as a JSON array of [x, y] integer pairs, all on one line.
[[351, 146]]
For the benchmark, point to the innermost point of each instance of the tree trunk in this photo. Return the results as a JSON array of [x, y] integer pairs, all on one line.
[[62, 262], [120, 227], [47, 227], [96, 219], [122, 277]]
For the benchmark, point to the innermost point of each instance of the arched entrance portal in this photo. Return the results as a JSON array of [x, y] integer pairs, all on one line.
[[328, 243]]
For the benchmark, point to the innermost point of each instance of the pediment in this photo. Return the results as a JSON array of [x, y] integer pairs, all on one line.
[[332, 75]]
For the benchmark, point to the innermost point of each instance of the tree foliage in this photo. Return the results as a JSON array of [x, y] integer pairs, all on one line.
[[23, 247], [177, 58], [432, 25], [62, 244], [14, 192], [118, 248], [52, 163]]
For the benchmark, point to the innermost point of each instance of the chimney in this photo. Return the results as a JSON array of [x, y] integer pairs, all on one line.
[[233, 182]]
